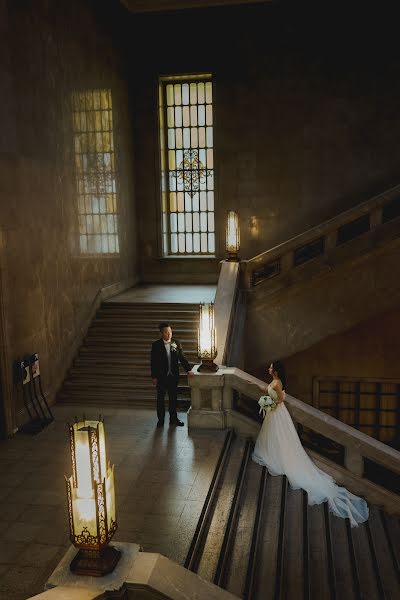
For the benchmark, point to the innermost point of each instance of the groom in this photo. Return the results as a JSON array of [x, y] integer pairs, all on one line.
[[166, 353]]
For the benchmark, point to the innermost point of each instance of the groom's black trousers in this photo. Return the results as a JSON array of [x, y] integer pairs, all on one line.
[[167, 384]]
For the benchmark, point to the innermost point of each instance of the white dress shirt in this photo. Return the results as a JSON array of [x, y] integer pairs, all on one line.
[[167, 346]]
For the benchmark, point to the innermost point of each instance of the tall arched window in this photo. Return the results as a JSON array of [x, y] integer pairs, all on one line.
[[187, 164]]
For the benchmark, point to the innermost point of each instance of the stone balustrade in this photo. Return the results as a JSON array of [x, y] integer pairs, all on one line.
[[225, 299], [323, 239], [137, 575], [213, 407]]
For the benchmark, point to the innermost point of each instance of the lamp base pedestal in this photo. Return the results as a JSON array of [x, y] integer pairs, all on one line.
[[232, 257], [207, 365], [95, 562]]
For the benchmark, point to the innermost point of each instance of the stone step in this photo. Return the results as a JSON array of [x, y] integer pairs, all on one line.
[[108, 303], [123, 383], [147, 329], [131, 373], [113, 364], [148, 334], [141, 401], [142, 341], [131, 341], [115, 356], [161, 308], [107, 315], [91, 390], [131, 350], [116, 384], [89, 360], [92, 362], [84, 392], [154, 319], [105, 364]]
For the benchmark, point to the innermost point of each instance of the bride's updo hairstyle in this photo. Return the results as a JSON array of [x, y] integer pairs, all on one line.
[[278, 366]]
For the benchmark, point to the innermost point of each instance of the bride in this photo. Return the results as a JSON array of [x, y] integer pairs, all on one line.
[[278, 448]]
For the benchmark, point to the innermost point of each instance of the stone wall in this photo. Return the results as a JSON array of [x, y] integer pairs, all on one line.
[[49, 51], [321, 298], [369, 350], [306, 115]]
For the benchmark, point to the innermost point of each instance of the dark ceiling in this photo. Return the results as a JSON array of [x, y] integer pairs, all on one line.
[[142, 6]]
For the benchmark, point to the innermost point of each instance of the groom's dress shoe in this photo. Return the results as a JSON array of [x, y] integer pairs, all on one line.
[[177, 422], [160, 424]]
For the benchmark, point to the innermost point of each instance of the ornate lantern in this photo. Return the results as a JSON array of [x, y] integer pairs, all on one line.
[[232, 235], [207, 346], [91, 500]]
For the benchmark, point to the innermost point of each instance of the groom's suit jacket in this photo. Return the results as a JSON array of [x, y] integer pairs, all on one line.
[[159, 360]]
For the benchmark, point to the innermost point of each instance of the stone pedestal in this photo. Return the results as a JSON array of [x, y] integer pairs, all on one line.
[[205, 419], [206, 411], [138, 573], [62, 576]]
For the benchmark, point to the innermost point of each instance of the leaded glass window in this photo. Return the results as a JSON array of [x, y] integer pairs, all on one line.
[[95, 171], [187, 165]]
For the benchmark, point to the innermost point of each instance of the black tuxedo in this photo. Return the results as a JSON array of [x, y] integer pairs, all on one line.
[[167, 382]]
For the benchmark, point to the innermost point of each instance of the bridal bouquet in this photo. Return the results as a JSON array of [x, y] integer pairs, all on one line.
[[267, 405]]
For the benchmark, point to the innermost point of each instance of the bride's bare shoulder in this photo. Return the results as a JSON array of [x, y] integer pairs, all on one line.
[[276, 384]]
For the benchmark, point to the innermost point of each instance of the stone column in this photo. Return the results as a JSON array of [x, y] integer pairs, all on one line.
[[206, 411], [227, 397]]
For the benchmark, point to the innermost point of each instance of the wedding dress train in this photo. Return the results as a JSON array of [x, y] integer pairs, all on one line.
[[278, 448]]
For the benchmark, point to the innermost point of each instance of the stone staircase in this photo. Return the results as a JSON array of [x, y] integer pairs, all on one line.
[[113, 364], [260, 540]]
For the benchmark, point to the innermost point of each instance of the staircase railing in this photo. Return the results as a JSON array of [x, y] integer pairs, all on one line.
[[225, 305], [321, 240], [213, 407], [371, 405]]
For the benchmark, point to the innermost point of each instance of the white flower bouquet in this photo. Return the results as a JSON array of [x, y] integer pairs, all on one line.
[[267, 405]]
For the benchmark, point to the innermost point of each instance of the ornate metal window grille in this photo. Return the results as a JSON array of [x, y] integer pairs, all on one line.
[[187, 165], [95, 172]]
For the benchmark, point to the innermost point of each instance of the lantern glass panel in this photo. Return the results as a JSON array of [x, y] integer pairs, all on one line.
[[84, 513], [83, 467], [232, 232], [207, 337], [102, 451], [110, 498]]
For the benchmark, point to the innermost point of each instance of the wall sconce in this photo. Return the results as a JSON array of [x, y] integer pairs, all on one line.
[[91, 500], [254, 227], [232, 235], [207, 347]]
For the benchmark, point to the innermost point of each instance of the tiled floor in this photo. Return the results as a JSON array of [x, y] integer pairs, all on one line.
[[175, 293], [162, 478]]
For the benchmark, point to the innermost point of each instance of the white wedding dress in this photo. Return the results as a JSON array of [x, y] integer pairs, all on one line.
[[278, 448]]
